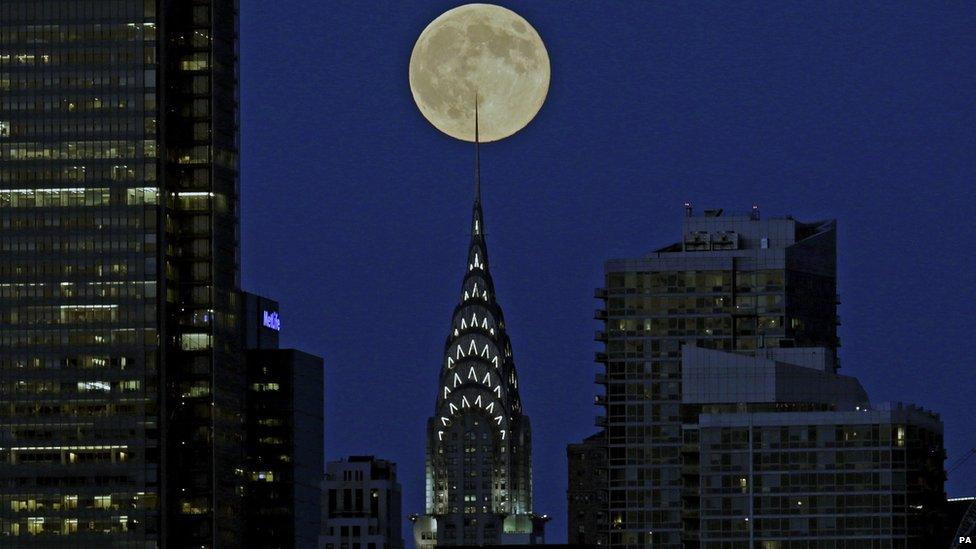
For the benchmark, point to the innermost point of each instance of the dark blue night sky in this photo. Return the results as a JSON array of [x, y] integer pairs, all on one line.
[[355, 212]]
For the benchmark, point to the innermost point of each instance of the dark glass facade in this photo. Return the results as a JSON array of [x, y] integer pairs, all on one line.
[[121, 378], [284, 449]]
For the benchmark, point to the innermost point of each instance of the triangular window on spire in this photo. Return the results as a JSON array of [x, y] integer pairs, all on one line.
[[472, 374], [457, 380]]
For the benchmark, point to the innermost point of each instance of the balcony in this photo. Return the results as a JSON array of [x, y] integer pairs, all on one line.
[[600, 335], [600, 314], [600, 357], [600, 293], [600, 400], [601, 421], [600, 379]]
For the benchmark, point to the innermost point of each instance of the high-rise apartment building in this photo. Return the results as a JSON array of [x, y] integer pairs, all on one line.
[[733, 328], [479, 463], [732, 283], [361, 502], [122, 379]]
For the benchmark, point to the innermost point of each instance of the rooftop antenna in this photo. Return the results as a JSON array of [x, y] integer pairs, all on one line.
[[477, 153]]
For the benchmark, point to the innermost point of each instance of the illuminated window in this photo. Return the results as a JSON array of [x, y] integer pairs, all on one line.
[[103, 502], [195, 342], [264, 387], [195, 62], [4, 128], [35, 525], [94, 386]]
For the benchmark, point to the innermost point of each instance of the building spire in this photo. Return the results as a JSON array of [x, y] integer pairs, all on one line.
[[477, 153], [477, 216]]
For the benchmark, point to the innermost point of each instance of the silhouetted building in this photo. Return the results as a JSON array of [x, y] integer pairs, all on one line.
[[587, 492], [479, 463], [731, 333], [361, 505], [283, 435], [121, 371]]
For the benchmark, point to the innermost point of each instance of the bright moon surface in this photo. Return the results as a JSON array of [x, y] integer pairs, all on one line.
[[479, 49]]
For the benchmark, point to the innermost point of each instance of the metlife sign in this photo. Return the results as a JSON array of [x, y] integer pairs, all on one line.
[[272, 321]]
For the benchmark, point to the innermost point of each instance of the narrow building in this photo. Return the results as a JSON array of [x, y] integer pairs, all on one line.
[[283, 434], [587, 491]]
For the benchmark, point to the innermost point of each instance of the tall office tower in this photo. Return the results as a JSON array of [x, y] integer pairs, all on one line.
[[479, 468], [361, 504], [734, 283], [283, 435], [120, 365], [587, 491]]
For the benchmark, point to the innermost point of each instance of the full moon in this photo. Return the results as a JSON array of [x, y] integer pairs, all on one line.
[[483, 51]]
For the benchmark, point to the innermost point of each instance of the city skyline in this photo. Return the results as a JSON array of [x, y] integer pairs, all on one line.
[[798, 110], [161, 159]]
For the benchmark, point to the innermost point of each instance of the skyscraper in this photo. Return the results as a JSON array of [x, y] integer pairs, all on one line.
[[284, 451], [725, 412], [732, 283], [121, 369], [479, 465]]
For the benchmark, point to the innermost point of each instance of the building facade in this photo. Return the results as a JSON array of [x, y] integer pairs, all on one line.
[[361, 503], [284, 447], [120, 357], [739, 317], [123, 383], [587, 491], [479, 464], [860, 478]]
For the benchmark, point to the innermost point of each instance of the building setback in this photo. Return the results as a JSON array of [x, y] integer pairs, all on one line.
[[361, 502], [740, 317]]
